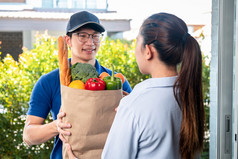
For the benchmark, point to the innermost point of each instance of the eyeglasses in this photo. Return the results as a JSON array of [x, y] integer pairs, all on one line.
[[83, 37]]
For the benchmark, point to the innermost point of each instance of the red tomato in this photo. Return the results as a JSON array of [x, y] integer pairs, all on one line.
[[95, 84]]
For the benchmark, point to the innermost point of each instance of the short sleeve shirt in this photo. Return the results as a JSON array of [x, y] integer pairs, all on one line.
[[147, 123]]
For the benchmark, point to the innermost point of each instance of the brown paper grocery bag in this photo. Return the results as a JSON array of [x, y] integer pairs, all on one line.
[[91, 114]]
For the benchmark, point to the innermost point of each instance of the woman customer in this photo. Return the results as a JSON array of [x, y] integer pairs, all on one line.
[[163, 117]]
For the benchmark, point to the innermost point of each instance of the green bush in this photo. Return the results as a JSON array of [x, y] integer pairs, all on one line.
[[17, 81], [121, 54], [19, 77], [206, 89]]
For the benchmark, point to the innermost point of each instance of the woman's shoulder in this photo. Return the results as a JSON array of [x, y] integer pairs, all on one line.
[[150, 99]]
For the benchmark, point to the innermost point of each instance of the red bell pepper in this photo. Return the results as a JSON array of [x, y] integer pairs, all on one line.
[[95, 84]]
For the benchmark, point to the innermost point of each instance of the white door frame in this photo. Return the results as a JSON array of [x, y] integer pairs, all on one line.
[[235, 83], [221, 80]]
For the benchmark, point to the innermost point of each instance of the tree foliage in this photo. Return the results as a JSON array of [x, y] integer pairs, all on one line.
[[19, 77]]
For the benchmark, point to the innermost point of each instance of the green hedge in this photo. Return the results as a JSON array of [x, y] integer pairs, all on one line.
[[19, 77]]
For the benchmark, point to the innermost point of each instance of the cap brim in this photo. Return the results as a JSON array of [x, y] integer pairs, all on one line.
[[92, 25]]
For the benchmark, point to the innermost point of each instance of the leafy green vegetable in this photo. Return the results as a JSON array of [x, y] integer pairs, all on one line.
[[83, 71]]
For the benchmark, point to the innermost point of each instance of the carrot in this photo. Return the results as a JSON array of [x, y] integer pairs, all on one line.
[[120, 75], [103, 74]]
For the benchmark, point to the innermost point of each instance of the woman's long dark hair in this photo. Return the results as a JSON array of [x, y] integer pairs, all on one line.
[[169, 35]]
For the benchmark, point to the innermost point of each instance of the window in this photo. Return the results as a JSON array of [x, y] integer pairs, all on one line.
[[78, 4], [81, 4], [47, 4], [62, 4], [91, 4]]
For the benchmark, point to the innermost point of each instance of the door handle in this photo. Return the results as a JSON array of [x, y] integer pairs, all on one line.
[[227, 134]]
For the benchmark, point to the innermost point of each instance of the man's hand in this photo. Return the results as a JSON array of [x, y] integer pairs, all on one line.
[[69, 152], [61, 126], [124, 93]]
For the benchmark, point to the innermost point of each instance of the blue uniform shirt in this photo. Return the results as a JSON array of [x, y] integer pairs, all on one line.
[[147, 123], [46, 98]]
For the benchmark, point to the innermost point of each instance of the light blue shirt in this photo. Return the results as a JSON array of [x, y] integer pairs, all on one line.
[[147, 123]]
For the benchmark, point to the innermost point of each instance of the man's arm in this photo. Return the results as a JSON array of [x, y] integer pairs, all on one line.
[[36, 132], [126, 86]]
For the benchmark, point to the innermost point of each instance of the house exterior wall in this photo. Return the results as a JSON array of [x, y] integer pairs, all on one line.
[[13, 1], [30, 16], [29, 26]]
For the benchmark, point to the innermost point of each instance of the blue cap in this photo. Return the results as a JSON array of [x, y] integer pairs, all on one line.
[[82, 18]]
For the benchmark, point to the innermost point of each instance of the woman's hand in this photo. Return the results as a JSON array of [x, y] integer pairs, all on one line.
[[69, 152], [61, 126]]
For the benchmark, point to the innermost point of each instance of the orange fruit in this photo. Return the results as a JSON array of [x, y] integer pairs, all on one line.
[[77, 84], [103, 74], [120, 75]]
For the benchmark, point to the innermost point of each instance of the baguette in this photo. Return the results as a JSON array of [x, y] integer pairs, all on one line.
[[64, 68]]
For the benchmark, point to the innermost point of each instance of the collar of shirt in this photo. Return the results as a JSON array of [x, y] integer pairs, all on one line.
[[98, 66], [156, 82]]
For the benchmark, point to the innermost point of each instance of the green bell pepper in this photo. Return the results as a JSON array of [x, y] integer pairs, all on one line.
[[112, 82]]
